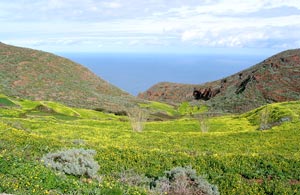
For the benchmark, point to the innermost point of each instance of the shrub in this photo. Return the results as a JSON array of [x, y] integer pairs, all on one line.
[[78, 162], [131, 178], [203, 121], [264, 119], [137, 118], [184, 181]]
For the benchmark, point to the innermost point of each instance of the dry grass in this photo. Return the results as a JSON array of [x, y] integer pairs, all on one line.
[[137, 118]]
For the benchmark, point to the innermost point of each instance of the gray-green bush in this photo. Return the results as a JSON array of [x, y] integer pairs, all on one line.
[[78, 162], [184, 181], [131, 178]]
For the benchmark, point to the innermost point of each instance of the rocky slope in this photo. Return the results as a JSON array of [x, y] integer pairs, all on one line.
[[275, 79], [38, 75]]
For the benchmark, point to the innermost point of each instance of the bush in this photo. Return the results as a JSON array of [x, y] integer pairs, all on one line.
[[184, 181], [131, 178], [78, 162]]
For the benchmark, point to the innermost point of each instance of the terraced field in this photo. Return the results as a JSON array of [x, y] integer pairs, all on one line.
[[254, 153]]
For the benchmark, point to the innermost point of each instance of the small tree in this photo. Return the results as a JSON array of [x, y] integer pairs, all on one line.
[[137, 118]]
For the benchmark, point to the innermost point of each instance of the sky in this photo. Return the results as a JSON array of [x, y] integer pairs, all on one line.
[[151, 25]]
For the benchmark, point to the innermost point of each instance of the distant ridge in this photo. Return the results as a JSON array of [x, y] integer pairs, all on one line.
[[38, 75], [275, 79]]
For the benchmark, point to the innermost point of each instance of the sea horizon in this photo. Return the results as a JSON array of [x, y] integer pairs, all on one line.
[[137, 72]]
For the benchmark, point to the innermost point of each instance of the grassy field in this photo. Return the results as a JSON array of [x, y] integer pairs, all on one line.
[[232, 153]]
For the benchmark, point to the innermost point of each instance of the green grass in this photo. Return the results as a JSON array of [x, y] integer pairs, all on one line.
[[186, 108], [233, 154], [5, 101], [59, 108], [158, 106], [275, 112]]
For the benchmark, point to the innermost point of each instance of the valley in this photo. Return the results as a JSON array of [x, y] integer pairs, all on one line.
[[233, 153], [63, 130]]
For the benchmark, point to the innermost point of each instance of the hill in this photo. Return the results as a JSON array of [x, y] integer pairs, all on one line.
[[37, 75], [275, 79], [234, 153]]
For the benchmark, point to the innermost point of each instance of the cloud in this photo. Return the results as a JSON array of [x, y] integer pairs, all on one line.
[[259, 37], [160, 23], [113, 5], [190, 35], [273, 12], [57, 4]]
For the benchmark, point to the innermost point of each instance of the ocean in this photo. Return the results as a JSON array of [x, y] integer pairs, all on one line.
[[136, 72]]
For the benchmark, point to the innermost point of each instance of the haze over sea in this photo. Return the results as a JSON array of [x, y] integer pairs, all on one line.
[[136, 72]]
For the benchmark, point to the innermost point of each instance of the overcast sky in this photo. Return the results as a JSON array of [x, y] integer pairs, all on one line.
[[151, 25]]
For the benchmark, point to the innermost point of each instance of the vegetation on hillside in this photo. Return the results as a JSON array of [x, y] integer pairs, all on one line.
[[234, 155], [275, 79], [37, 75]]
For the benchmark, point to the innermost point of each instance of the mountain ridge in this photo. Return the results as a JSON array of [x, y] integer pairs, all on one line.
[[38, 75], [275, 79]]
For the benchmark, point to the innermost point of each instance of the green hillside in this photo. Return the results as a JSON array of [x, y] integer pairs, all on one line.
[[37, 75], [233, 153]]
